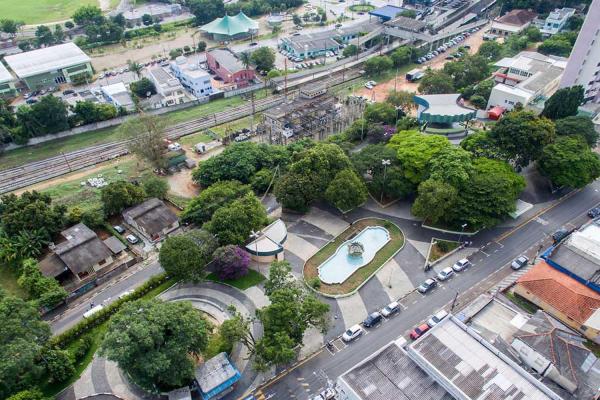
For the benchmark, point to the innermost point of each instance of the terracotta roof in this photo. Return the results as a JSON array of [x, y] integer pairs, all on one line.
[[563, 293], [517, 17]]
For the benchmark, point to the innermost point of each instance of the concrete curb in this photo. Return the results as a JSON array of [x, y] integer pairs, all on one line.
[[339, 296], [433, 228]]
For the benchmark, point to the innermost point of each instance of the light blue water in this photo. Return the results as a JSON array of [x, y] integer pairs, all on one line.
[[339, 267]]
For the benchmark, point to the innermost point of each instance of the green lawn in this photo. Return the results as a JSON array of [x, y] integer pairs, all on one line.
[[361, 7], [55, 147], [253, 278], [8, 282], [39, 11], [359, 277], [72, 193], [441, 248]]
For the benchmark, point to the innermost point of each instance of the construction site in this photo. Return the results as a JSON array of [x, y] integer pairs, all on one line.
[[313, 112]]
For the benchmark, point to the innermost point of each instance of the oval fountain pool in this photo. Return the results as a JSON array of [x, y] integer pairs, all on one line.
[[342, 264]]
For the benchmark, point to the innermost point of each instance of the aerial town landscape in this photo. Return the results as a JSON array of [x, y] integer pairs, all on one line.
[[299, 199]]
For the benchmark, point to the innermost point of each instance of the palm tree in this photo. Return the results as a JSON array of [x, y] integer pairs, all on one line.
[[246, 59], [135, 67]]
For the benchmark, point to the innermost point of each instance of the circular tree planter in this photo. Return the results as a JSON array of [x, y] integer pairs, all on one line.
[[362, 275]]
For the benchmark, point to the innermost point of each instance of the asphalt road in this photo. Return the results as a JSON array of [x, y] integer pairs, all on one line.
[[491, 265], [105, 295]]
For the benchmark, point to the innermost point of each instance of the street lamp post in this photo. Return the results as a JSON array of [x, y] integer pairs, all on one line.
[[463, 226], [385, 164], [255, 235]]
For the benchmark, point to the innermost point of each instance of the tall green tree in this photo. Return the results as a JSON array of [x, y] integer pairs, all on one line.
[[31, 212], [467, 71], [23, 335], [43, 36], [434, 200], [119, 195], [233, 223], [346, 191], [436, 82], [155, 186], [184, 257], [88, 15], [152, 342], [206, 10], [221, 194], [47, 292], [490, 50], [563, 103], [521, 136], [263, 58], [451, 165], [414, 151], [569, 162], [578, 125], [384, 113], [49, 115], [146, 135]]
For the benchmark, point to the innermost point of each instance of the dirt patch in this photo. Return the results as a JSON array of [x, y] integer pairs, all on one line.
[[181, 184], [380, 92]]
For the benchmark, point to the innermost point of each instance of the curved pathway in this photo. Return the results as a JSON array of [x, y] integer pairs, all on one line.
[[105, 377]]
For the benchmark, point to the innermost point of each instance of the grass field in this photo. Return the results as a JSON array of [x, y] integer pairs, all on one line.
[[356, 279], [253, 278], [8, 282], [55, 147], [38, 11], [71, 193]]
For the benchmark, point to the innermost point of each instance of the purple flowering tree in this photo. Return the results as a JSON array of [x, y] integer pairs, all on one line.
[[231, 262]]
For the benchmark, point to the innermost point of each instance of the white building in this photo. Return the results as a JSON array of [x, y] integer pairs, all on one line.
[[556, 21], [168, 87], [584, 63], [118, 95], [192, 77], [528, 78]]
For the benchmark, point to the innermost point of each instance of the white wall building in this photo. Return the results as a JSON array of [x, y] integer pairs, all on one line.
[[118, 95], [192, 77], [168, 87], [527, 78], [584, 63], [556, 21]]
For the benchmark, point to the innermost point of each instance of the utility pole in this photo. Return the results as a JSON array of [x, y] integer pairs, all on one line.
[[285, 78], [385, 164], [454, 302], [253, 111], [67, 161]]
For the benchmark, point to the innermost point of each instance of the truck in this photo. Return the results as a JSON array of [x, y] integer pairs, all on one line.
[[414, 75]]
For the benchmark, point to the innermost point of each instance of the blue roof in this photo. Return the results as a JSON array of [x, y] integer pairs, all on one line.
[[386, 12]]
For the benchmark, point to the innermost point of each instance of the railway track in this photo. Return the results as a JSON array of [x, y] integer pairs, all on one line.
[[38, 171]]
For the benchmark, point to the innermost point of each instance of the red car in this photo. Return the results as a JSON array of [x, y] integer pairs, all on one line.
[[419, 331]]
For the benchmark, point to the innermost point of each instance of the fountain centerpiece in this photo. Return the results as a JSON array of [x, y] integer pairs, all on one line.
[[356, 248]]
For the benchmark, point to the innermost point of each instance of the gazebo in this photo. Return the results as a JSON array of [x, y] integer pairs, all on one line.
[[230, 28]]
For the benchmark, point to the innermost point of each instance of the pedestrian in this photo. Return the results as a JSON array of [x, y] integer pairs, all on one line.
[[91, 305]]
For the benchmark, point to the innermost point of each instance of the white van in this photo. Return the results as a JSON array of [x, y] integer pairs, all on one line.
[[92, 311]]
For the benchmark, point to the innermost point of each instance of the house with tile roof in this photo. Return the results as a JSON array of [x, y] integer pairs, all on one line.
[[513, 22], [561, 296]]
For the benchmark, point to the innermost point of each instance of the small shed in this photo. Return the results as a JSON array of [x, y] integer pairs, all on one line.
[[386, 13], [216, 377], [114, 245]]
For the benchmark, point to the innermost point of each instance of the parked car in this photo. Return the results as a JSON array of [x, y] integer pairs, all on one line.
[[132, 239], [328, 394], [174, 146], [390, 309], [519, 262], [372, 83], [461, 265], [352, 333], [68, 92], [31, 101], [93, 311], [372, 320], [253, 44], [119, 229], [594, 212], [419, 331], [445, 274], [427, 285], [436, 318], [368, 86], [560, 235]]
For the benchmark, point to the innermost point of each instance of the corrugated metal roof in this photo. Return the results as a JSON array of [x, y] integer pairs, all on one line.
[[48, 59]]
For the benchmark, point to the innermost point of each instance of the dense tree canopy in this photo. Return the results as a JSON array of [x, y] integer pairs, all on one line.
[[434, 201], [206, 10], [436, 82], [490, 50], [577, 125], [152, 341], [263, 58], [521, 136], [47, 116], [414, 151], [378, 64], [22, 337], [384, 113], [184, 257], [119, 195], [467, 71], [31, 211], [46, 292], [346, 191], [155, 186], [231, 262], [569, 162], [451, 165], [233, 223], [203, 206], [563, 103]]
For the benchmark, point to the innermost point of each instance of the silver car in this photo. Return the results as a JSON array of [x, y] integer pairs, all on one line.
[[519, 262]]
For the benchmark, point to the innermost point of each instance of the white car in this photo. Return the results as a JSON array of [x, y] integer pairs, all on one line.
[[368, 86], [390, 309], [445, 274], [132, 239], [174, 146], [372, 83], [436, 318], [461, 265], [352, 333]]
